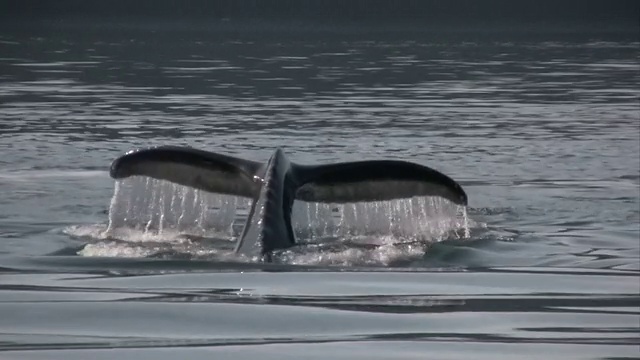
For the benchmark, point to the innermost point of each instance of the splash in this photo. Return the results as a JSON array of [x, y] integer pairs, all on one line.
[[148, 217]]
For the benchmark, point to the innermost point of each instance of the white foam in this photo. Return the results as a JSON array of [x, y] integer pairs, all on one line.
[[386, 253], [111, 249]]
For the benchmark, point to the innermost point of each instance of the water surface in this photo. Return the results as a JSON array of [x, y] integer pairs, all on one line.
[[541, 130]]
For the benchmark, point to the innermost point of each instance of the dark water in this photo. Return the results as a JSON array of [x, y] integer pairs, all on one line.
[[541, 129]]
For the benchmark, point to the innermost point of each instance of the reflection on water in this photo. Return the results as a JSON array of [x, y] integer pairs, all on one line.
[[551, 311]]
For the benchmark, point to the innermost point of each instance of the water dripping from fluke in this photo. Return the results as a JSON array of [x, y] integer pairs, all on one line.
[[112, 207], [465, 223], [158, 217]]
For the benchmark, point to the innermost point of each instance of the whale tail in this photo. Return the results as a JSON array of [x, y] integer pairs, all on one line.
[[190, 167], [361, 181]]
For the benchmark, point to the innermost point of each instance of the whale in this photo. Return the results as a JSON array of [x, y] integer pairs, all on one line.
[[274, 185]]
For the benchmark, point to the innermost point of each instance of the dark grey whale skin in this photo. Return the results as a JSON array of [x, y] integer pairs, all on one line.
[[275, 185]]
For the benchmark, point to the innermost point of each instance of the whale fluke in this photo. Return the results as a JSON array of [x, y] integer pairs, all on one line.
[[190, 167], [375, 180], [274, 186]]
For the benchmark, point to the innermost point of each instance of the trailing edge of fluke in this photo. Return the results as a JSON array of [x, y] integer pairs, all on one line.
[[274, 185]]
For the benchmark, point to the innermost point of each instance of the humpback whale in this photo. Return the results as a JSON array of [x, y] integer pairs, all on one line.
[[274, 185]]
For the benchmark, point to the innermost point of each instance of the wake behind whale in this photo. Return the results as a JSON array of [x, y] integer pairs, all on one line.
[[266, 192]]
